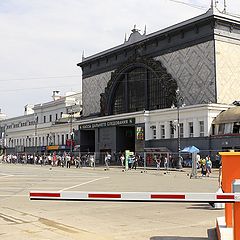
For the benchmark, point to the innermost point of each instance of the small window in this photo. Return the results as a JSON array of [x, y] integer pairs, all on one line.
[[190, 124], [50, 118], [44, 119], [221, 128], [162, 131], [56, 116], [154, 132], [181, 130], [171, 130], [201, 126]]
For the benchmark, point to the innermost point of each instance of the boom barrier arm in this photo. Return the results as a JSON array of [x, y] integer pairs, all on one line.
[[135, 196]]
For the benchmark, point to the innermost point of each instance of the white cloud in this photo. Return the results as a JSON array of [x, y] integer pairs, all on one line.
[[46, 38]]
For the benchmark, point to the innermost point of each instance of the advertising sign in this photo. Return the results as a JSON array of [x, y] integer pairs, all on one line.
[[140, 133]]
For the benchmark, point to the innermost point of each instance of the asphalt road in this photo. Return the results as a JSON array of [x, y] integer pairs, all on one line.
[[21, 218]]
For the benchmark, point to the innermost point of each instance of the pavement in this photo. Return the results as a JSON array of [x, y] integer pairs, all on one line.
[[21, 218]]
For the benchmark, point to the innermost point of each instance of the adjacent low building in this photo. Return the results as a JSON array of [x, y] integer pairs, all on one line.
[[43, 127]]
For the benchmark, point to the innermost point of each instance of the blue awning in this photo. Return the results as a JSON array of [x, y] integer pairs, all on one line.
[[190, 149]]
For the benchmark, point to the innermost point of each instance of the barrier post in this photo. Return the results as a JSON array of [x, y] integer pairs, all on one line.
[[144, 163], [230, 172], [236, 211]]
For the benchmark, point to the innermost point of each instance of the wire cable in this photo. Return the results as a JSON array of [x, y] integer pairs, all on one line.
[[38, 78], [190, 4], [2, 91]]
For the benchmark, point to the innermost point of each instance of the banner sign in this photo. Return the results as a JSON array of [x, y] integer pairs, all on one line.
[[53, 147], [140, 133], [107, 124]]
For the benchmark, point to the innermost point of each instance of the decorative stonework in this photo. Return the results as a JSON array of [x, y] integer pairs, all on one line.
[[228, 72], [92, 88], [193, 68]]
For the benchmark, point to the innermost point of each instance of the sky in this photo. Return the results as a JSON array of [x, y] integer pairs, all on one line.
[[43, 40]]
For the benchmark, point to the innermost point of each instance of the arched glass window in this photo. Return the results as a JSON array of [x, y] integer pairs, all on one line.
[[119, 101], [139, 89], [136, 88]]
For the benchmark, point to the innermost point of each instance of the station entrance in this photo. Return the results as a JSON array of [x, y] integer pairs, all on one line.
[[87, 141], [125, 138], [115, 141], [113, 137]]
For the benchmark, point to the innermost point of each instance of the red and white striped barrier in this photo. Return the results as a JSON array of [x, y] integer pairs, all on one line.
[[136, 196]]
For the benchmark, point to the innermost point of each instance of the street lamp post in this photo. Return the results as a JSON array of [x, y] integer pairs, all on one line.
[[71, 129], [35, 135], [3, 139], [179, 103]]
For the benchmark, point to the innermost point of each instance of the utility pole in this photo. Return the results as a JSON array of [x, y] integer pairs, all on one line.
[[71, 130], [35, 132], [179, 103]]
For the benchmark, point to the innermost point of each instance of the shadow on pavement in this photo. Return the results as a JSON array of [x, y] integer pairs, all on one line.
[[212, 235], [205, 206], [177, 238]]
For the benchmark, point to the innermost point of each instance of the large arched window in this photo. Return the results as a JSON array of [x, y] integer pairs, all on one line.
[[144, 85]]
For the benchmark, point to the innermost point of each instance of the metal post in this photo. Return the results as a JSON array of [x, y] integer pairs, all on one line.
[[145, 156], [35, 136], [71, 133], [194, 165], [179, 102]]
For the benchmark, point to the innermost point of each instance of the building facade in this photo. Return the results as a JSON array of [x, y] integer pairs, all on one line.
[[43, 127], [138, 82]]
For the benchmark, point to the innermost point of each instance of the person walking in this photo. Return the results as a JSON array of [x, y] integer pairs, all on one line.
[[203, 167], [135, 162], [107, 160], [158, 162], [165, 163], [122, 159], [208, 166], [68, 161], [130, 161]]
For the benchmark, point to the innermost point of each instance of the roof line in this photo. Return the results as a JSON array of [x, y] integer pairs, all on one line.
[[212, 12]]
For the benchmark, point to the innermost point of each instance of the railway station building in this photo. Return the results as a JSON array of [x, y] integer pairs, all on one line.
[[157, 89]]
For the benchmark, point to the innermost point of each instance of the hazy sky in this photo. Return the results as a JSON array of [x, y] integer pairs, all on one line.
[[43, 40]]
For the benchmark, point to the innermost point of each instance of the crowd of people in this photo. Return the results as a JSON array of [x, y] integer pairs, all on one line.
[[133, 161], [63, 160]]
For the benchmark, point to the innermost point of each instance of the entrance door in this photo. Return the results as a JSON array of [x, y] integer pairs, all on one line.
[[126, 138], [87, 141]]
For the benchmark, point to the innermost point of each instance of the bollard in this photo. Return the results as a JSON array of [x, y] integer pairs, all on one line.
[[236, 211]]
